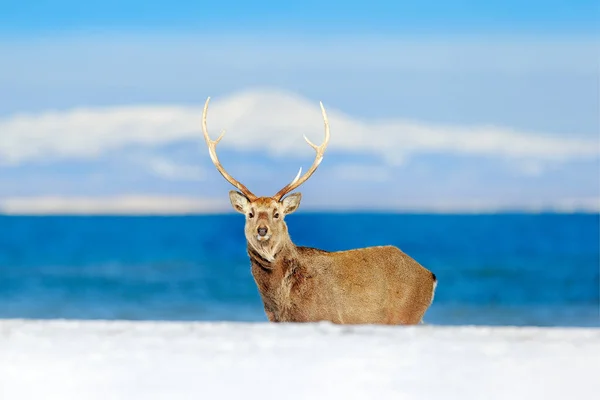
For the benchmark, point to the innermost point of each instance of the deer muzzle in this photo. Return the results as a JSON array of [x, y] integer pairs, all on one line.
[[262, 231]]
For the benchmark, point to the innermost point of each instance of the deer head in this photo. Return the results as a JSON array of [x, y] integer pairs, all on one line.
[[265, 228]]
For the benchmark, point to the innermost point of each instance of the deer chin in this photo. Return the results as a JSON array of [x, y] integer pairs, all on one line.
[[266, 248]]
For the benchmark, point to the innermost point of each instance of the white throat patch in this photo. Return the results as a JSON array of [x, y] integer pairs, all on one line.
[[266, 249]]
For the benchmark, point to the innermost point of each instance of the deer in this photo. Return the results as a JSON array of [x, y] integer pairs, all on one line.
[[378, 285]]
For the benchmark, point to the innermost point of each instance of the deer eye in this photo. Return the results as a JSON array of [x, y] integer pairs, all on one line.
[[250, 214], [276, 215]]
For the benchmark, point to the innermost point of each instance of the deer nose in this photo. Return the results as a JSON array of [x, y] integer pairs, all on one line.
[[262, 230]]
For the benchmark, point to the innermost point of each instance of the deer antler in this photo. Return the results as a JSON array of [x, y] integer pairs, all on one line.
[[318, 158], [212, 144]]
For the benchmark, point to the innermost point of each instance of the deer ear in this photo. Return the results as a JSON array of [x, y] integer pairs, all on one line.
[[239, 201], [291, 203]]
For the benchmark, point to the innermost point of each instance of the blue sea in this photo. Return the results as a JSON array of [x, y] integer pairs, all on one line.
[[496, 269]]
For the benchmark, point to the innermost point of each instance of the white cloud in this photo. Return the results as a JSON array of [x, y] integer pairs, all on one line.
[[359, 172], [267, 120], [170, 170]]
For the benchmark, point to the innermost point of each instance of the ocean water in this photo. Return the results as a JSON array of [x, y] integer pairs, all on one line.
[[498, 269]]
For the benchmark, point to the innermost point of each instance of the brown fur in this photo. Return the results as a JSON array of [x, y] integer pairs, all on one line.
[[374, 285]]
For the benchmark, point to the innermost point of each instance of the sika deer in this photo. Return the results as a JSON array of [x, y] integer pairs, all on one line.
[[373, 285]]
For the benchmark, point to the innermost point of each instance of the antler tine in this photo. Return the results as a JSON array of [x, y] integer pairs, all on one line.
[[320, 150], [212, 144]]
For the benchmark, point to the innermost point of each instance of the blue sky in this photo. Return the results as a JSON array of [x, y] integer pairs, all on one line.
[[309, 16], [434, 104]]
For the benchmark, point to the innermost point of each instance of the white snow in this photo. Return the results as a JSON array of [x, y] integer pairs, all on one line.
[[165, 360]]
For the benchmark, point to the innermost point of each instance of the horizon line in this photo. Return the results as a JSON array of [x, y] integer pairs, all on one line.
[[319, 211], [188, 205]]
